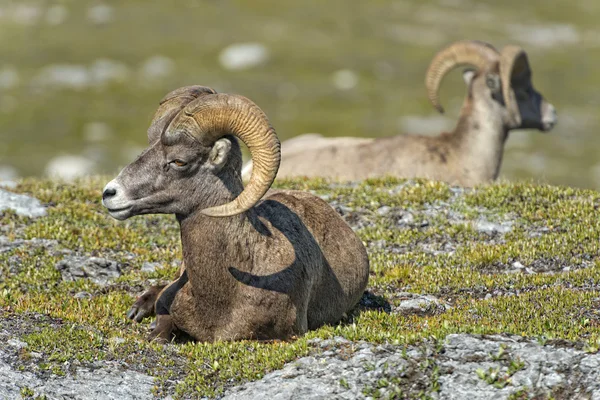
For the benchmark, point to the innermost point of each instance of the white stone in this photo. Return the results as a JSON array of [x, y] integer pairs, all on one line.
[[95, 132], [104, 71], [25, 14], [8, 173], [517, 264], [157, 67], [344, 79], [56, 14], [240, 56], [9, 77], [71, 76], [69, 167], [17, 343], [100, 14], [150, 266]]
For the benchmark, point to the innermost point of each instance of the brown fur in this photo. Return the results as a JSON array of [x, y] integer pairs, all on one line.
[[283, 278]]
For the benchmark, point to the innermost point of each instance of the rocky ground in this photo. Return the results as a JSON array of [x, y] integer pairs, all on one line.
[[447, 330]]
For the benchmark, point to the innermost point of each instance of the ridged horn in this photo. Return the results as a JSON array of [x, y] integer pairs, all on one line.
[[213, 116], [513, 61], [170, 105], [466, 52]]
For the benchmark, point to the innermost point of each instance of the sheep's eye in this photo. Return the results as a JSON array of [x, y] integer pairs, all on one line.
[[179, 163], [492, 83]]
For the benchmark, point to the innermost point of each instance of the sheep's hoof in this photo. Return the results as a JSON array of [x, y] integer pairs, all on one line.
[[163, 333], [144, 304]]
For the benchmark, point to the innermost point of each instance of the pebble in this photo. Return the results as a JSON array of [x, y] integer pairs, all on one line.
[[99, 270], [69, 167], [150, 266]]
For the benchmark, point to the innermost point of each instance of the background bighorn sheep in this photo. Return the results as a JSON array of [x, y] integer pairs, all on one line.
[[253, 269], [500, 98]]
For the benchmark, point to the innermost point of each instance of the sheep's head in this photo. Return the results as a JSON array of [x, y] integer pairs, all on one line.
[[501, 81], [193, 152]]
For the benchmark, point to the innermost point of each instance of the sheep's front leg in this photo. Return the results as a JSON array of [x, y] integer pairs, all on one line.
[[144, 304]]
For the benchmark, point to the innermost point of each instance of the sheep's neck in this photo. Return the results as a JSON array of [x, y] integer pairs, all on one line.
[[479, 138], [211, 245]]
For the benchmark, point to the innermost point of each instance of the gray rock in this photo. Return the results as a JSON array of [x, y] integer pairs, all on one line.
[[99, 270], [384, 210], [407, 219], [17, 343], [9, 77], [150, 266], [103, 383], [8, 184], [420, 304], [323, 376], [390, 369], [22, 204], [6, 244], [483, 225]]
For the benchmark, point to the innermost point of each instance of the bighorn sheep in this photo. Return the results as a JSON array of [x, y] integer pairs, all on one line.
[[500, 98], [254, 269]]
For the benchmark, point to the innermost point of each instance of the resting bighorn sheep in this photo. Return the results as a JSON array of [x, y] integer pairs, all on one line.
[[500, 98], [254, 269]]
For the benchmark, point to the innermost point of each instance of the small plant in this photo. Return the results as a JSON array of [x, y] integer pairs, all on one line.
[[344, 383], [27, 392], [521, 394], [494, 376], [501, 352]]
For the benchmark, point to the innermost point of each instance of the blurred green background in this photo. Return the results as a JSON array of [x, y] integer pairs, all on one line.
[[80, 80]]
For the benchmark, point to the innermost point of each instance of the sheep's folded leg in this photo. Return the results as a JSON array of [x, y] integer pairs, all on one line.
[[144, 304]]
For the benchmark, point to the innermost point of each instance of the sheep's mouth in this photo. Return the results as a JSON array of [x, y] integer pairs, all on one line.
[[548, 125], [120, 213]]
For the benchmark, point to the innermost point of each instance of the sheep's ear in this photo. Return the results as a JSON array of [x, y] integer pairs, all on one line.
[[468, 75], [219, 153]]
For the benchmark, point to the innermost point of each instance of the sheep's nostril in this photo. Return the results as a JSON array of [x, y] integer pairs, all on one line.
[[109, 193]]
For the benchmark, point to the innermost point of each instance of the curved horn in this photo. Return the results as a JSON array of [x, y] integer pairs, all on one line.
[[213, 116], [170, 105], [513, 61], [466, 52]]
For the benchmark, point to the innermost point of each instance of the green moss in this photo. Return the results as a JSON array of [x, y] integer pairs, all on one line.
[[551, 228]]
